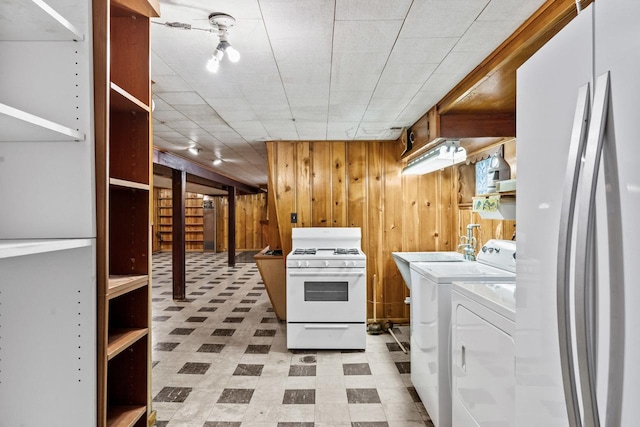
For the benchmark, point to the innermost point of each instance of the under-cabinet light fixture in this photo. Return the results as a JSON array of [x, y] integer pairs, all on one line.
[[217, 162], [193, 150], [448, 153]]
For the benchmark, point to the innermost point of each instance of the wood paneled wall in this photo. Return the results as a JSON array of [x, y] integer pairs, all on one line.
[[359, 184], [250, 210]]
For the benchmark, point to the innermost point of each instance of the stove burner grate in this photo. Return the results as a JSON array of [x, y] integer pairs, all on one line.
[[304, 251], [350, 251]]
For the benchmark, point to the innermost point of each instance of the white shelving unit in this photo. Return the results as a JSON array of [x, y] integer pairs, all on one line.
[[46, 120], [48, 302]]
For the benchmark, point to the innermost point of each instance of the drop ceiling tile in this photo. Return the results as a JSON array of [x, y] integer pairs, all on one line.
[[170, 83], [181, 124], [345, 112], [441, 18], [508, 10], [198, 135], [173, 137], [196, 110], [356, 71], [393, 96], [159, 67], [485, 36], [247, 125], [286, 18], [421, 50], [181, 98], [215, 129], [248, 36], [373, 131], [307, 94], [225, 103], [285, 131], [307, 74], [315, 132], [354, 10], [239, 9], [342, 130], [273, 112], [302, 50], [214, 90], [407, 73], [168, 115], [160, 105], [256, 80], [365, 36], [350, 97], [160, 127], [208, 120], [310, 113], [275, 95], [458, 64], [380, 115]]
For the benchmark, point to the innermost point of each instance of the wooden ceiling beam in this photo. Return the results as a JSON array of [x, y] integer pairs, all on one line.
[[176, 162]]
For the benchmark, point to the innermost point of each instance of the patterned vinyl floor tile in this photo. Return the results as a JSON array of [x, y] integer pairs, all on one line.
[[220, 360]]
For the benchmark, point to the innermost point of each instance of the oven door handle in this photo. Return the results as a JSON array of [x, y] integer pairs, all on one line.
[[325, 326], [322, 273]]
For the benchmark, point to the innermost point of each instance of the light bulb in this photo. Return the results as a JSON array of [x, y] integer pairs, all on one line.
[[194, 151], [216, 162], [213, 64], [233, 54]]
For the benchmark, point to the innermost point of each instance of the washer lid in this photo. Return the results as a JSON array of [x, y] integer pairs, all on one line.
[[496, 296], [447, 272]]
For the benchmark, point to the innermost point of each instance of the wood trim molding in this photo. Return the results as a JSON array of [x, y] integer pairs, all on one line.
[[457, 126]]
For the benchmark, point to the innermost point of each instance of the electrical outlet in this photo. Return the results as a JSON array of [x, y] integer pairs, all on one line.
[[294, 218]]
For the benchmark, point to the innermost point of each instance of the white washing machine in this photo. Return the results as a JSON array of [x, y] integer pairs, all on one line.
[[431, 319], [483, 354]]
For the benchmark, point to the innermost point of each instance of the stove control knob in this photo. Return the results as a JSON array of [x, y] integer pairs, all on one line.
[[346, 263], [326, 263], [306, 263], [299, 263]]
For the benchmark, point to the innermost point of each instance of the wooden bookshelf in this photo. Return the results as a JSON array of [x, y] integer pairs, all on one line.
[[124, 182], [194, 221]]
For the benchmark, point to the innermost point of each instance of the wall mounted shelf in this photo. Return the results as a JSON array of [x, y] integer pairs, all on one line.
[[18, 126], [37, 20], [14, 248]]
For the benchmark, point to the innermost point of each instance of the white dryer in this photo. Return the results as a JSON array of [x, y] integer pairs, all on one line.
[[483, 354], [431, 319]]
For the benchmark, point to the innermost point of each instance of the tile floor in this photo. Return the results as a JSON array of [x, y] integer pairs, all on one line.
[[220, 360]]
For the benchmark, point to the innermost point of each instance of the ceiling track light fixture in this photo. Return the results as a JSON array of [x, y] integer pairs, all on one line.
[[221, 22], [195, 151]]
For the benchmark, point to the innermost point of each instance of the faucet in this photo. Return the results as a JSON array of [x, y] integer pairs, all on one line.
[[468, 243]]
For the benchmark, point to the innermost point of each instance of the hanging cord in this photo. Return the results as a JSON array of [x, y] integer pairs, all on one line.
[[183, 26]]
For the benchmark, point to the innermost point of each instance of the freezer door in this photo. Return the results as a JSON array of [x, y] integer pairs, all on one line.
[[547, 91], [617, 51]]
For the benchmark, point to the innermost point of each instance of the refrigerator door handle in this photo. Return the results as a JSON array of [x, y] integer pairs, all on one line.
[[585, 247], [615, 252], [567, 213]]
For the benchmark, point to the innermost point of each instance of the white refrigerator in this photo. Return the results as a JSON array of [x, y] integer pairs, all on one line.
[[578, 218]]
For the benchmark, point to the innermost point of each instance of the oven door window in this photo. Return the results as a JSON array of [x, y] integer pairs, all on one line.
[[326, 291]]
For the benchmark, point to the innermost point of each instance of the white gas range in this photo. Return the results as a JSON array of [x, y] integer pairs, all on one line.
[[326, 289]]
